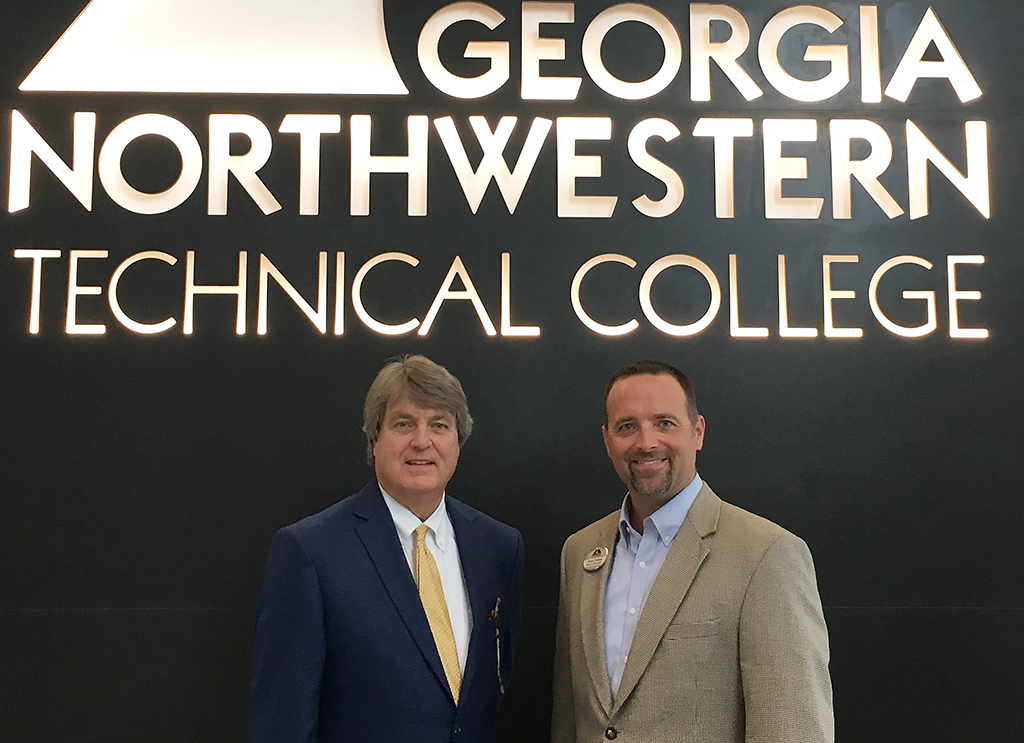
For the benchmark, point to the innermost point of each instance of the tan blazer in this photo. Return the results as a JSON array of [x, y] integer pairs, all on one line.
[[731, 646]]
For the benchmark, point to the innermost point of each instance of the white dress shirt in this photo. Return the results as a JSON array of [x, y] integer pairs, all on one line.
[[441, 544]]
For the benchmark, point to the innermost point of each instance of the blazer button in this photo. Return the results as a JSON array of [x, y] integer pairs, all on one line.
[[611, 733], [456, 729]]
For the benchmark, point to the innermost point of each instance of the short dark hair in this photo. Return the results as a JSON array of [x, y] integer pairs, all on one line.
[[655, 368], [422, 381]]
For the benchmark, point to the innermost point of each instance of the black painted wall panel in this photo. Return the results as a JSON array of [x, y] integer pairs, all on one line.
[[143, 477]]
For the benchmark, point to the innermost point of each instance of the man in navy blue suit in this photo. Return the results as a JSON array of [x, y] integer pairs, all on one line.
[[392, 615]]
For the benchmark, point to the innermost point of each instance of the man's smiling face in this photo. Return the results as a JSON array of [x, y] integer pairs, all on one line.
[[649, 436], [416, 450]]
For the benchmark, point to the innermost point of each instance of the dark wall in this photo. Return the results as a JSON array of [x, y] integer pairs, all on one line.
[[143, 475]]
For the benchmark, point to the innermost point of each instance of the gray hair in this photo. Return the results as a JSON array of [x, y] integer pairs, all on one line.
[[422, 381]]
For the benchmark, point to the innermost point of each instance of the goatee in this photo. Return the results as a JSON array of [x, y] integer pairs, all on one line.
[[656, 490]]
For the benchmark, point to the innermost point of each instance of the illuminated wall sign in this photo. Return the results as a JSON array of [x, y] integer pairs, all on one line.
[[78, 178], [318, 314], [222, 46], [184, 46]]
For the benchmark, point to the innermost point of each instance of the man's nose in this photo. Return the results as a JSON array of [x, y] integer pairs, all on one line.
[[647, 439], [420, 437]]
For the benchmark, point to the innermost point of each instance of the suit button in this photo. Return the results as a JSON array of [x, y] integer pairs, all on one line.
[[611, 733], [456, 730]]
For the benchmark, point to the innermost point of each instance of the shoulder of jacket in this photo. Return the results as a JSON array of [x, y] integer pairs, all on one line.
[[481, 519], [755, 530], [590, 536], [328, 518]]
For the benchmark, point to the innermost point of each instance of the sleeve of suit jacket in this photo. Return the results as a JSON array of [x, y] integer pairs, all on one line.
[[288, 655], [515, 609], [563, 715], [783, 647]]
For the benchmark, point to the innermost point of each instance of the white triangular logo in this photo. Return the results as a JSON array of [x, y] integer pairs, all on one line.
[[312, 47]]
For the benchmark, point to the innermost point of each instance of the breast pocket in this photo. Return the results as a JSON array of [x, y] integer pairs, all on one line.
[[692, 630]]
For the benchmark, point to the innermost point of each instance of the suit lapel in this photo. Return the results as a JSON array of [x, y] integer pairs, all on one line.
[[592, 606], [481, 597], [380, 539], [676, 575]]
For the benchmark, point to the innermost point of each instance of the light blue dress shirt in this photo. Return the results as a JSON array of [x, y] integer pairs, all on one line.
[[635, 565]]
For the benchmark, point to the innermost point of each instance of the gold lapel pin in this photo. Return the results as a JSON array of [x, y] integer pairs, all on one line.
[[596, 559]]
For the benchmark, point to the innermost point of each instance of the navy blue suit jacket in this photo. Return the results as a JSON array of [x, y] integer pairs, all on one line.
[[343, 651]]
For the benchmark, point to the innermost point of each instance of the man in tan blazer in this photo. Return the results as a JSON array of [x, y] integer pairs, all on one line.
[[683, 618]]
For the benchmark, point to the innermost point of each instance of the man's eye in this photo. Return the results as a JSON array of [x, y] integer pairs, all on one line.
[[665, 424], [626, 427], [441, 425], [401, 424]]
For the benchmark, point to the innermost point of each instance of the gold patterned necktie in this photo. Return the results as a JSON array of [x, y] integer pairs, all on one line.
[[428, 580]]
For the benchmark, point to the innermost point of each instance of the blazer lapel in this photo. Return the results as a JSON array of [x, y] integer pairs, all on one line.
[[592, 612], [379, 537], [481, 596], [676, 575]]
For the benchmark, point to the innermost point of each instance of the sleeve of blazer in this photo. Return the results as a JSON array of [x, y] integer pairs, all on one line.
[[563, 713], [289, 649], [515, 594], [783, 645]]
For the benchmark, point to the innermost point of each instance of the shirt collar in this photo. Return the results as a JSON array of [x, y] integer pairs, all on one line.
[[665, 521], [406, 521]]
